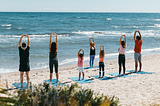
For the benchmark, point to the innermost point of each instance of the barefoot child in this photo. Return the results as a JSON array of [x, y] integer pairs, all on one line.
[[101, 61], [80, 63]]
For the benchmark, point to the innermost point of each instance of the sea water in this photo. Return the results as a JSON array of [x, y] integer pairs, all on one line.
[[73, 31]]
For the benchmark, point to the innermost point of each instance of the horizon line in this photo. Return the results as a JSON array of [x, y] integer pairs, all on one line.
[[78, 12]]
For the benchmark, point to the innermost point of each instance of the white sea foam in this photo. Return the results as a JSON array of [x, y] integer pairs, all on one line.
[[108, 18], [19, 28], [7, 25], [8, 28]]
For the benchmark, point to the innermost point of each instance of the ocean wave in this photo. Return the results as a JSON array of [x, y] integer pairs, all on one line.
[[7, 25], [108, 18], [8, 28], [19, 28]]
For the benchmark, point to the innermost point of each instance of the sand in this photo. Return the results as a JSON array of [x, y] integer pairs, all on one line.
[[141, 90]]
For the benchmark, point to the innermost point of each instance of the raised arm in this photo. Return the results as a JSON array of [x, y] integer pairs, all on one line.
[[135, 35], [83, 52], [19, 44], [120, 40], [50, 42], [56, 42], [90, 42], [103, 51], [28, 40], [79, 52], [140, 34]]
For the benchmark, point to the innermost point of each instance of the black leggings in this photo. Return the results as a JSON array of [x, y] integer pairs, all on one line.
[[55, 62], [101, 65], [121, 61]]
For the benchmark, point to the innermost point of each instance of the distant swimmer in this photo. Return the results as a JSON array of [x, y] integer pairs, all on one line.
[[80, 63], [92, 51], [121, 58], [53, 60], [98, 32], [101, 61], [137, 54], [24, 60]]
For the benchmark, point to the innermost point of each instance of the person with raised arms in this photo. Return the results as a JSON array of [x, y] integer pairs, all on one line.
[[92, 51], [24, 60], [121, 58], [80, 63], [101, 61], [53, 60], [137, 54]]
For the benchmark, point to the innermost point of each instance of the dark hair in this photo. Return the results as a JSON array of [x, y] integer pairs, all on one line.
[[81, 55], [53, 49], [102, 53], [123, 44], [23, 44], [138, 37]]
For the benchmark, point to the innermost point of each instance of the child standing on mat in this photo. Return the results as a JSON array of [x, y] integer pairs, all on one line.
[[101, 61], [121, 59], [92, 51], [80, 63]]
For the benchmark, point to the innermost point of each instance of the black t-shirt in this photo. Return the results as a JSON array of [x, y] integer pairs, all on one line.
[[24, 55], [92, 51]]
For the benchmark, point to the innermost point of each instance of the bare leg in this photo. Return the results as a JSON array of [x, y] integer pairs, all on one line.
[[83, 75], [21, 78], [140, 66], [51, 77], [57, 77], [28, 78], [79, 76], [136, 65]]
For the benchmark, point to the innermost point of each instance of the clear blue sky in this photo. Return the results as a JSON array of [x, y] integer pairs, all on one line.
[[80, 6]]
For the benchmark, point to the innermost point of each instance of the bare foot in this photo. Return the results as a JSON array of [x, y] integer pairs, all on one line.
[[99, 77], [119, 75], [57, 81], [135, 71], [83, 78], [102, 76], [139, 71], [123, 74], [78, 79]]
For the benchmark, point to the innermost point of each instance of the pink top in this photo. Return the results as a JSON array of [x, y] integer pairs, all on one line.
[[101, 59], [80, 62], [121, 49]]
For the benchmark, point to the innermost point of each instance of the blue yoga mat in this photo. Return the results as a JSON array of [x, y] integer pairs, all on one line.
[[54, 82], [142, 72], [91, 67], [18, 85], [104, 78], [81, 81], [116, 75]]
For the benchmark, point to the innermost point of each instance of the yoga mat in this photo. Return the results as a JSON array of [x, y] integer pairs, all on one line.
[[91, 67], [18, 85], [54, 82], [116, 75], [81, 81], [142, 72], [104, 78]]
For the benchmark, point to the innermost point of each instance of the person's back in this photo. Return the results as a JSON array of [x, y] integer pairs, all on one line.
[[138, 44], [24, 54]]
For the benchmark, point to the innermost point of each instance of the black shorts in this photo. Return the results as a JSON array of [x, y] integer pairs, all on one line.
[[24, 67]]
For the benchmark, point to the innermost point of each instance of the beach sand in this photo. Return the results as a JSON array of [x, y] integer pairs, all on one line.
[[141, 90]]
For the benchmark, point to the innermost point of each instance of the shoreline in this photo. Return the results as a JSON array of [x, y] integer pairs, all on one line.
[[131, 91]]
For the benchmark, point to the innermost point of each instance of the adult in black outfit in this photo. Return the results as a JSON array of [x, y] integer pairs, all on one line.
[[24, 59]]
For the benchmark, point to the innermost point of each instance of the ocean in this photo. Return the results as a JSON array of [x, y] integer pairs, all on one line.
[[74, 31]]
